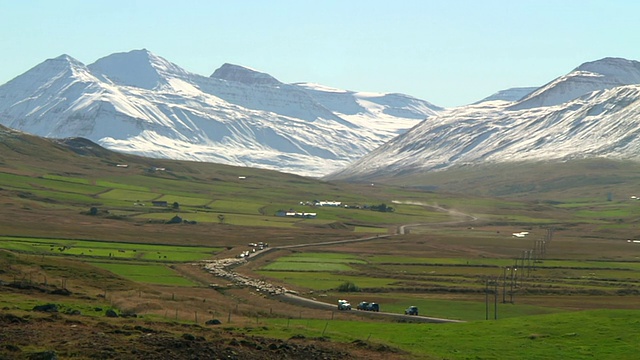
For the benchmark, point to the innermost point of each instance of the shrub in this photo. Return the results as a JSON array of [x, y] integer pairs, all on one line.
[[348, 287]]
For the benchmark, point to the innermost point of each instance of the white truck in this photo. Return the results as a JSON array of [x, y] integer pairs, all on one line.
[[344, 305]]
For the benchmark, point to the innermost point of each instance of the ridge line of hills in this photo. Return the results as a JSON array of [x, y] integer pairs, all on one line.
[[139, 103]]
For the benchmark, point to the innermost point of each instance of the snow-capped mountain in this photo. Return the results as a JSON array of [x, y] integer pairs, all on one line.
[[140, 103], [594, 111]]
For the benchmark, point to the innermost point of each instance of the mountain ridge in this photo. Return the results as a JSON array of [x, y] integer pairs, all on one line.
[[140, 103], [600, 120]]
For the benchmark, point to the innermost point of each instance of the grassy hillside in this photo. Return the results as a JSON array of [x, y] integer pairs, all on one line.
[[80, 230], [552, 181]]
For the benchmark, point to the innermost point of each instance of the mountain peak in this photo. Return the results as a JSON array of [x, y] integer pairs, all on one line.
[[592, 76], [66, 58], [62, 62], [245, 75], [138, 68], [63, 66], [622, 70]]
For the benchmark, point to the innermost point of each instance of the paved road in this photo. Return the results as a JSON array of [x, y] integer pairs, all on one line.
[[302, 301]]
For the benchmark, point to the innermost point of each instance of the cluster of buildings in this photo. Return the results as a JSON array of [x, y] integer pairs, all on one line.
[[308, 215], [296, 214]]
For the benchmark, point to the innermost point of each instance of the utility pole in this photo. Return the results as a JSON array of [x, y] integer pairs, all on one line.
[[495, 300], [486, 300], [513, 279], [504, 283]]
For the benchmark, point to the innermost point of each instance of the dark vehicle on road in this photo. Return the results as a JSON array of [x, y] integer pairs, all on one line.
[[367, 306], [411, 310]]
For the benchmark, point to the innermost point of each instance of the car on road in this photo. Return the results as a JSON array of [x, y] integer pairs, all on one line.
[[344, 305], [411, 310], [367, 306]]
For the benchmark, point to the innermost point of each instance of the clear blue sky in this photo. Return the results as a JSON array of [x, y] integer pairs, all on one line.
[[448, 52]]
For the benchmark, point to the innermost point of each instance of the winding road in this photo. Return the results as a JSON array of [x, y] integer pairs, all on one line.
[[222, 268]]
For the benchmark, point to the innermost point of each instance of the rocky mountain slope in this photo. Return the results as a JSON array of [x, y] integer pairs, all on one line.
[[140, 103]]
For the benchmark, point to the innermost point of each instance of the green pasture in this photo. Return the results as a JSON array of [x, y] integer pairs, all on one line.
[[131, 196], [158, 184], [57, 197], [11, 181], [184, 200], [146, 273], [22, 302], [80, 186], [581, 203], [66, 186], [105, 249], [323, 262], [316, 257], [327, 281], [233, 219], [122, 186], [407, 260], [441, 270], [236, 206], [622, 265], [305, 266], [370, 229], [377, 217], [249, 198], [601, 334], [617, 226], [618, 212], [67, 179], [327, 271], [465, 310]]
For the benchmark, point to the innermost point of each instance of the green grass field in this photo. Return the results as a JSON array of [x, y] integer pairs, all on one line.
[[314, 262], [146, 273], [323, 281], [321, 258], [109, 250], [600, 335]]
